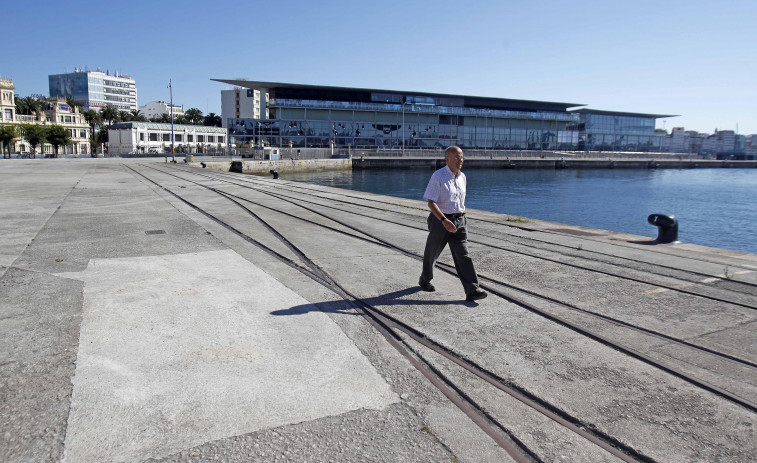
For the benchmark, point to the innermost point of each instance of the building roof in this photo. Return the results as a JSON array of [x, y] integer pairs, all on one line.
[[469, 100], [166, 126], [619, 113]]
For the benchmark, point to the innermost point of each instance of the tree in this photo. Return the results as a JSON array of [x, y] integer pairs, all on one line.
[[109, 114], [35, 135], [212, 120], [8, 133], [30, 105], [73, 102], [194, 116], [165, 118], [181, 120], [136, 115], [57, 135], [123, 116]]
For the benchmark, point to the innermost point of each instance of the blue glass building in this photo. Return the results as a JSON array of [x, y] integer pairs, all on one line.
[[95, 89]]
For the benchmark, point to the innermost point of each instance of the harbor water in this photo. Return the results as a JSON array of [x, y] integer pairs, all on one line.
[[714, 207]]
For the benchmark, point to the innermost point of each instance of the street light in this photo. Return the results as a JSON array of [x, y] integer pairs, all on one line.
[[173, 153]]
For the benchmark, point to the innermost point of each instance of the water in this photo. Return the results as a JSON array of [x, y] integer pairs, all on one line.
[[714, 207]]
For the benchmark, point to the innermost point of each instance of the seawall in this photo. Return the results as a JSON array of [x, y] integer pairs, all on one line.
[[548, 163], [260, 167]]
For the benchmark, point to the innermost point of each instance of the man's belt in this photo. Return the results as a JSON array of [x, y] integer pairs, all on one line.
[[454, 216]]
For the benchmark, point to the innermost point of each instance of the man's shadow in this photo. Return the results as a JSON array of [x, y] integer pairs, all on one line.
[[393, 299]]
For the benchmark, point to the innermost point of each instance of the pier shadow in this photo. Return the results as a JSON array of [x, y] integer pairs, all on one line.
[[392, 299]]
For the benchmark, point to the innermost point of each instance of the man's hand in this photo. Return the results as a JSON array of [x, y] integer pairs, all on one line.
[[449, 226]]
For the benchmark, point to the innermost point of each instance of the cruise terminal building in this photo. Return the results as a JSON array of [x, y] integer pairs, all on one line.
[[301, 115]]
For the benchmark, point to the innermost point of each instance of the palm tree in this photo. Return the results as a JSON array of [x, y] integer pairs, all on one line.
[[109, 114], [136, 115], [35, 135], [181, 120], [212, 120], [73, 103], [57, 136], [165, 118], [93, 118], [21, 106], [31, 105], [124, 116], [194, 116], [8, 133]]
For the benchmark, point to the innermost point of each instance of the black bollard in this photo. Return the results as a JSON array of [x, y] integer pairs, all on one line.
[[275, 173], [667, 227]]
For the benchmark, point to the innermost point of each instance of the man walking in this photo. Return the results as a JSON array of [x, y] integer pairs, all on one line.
[[447, 224]]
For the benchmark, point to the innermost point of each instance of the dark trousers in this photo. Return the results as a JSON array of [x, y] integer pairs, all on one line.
[[438, 237]]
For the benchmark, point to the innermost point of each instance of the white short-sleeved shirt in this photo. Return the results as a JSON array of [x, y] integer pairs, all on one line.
[[447, 191]]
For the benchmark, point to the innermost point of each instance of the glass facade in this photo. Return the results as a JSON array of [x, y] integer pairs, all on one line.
[[607, 131], [95, 89], [316, 117]]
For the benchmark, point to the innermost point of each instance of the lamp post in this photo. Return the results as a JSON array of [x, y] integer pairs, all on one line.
[[404, 99], [173, 153]]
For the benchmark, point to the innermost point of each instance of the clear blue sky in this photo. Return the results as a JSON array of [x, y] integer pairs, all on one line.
[[693, 58]]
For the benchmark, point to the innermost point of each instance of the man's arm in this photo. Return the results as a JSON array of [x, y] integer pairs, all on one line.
[[448, 225]]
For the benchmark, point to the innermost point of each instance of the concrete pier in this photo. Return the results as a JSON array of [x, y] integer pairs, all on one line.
[[145, 316]]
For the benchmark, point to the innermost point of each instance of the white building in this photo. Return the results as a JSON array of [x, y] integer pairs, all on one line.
[[158, 108], [7, 101], [57, 112], [240, 103], [95, 89], [155, 138]]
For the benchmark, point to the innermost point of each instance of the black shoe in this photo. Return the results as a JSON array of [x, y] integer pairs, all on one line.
[[427, 287], [476, 295]]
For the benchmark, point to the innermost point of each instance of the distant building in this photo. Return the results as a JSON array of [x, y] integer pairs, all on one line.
[[7, 101], [241, 103], [155, 138], [319, 116], [57, 112], [158, 108], [618, 131], [95, 89]]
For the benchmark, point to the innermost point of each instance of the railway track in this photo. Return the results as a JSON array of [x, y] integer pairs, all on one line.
[[399, 334]]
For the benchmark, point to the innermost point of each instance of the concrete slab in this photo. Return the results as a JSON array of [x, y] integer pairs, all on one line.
[[179, 350]]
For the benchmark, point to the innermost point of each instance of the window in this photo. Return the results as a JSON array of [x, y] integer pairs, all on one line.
[[200, 138], [177, 137], [82, 133], [68, 118], [166, 137], [9, 114], [211, 139], [220, 139], [190, 138], [141, 137], [153, 137]]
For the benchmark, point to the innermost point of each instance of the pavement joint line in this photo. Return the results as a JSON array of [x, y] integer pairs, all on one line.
[[36, 235], [710, 280]]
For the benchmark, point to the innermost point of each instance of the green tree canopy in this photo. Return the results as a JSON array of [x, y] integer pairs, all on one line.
[[212, 120], [193, 115], [8, 133], [73, 102], [35, 134], [30, 105], [109, 114], [57, 135], [136, 115]]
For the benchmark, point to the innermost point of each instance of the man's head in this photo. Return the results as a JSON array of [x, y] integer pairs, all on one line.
[[454, 158]]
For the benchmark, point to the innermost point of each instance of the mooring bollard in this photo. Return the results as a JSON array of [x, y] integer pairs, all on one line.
[[667, 227], [275, 173]]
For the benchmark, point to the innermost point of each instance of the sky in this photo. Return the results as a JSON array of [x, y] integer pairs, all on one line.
[[694, 59]]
